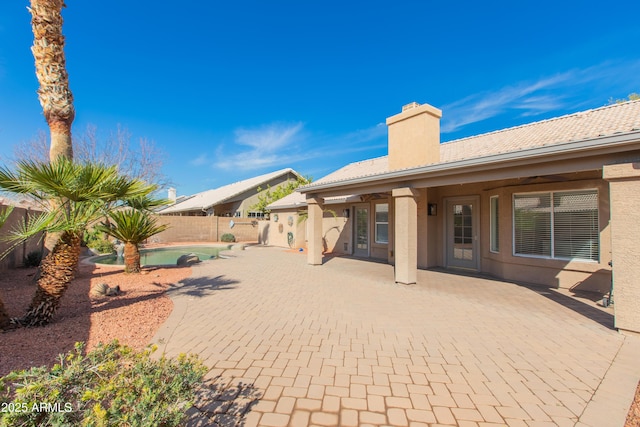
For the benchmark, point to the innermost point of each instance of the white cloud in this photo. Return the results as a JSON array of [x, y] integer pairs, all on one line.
[[281, 145], [202, 159], [269, 145], [269, 137], [547, 94], [523, 96]]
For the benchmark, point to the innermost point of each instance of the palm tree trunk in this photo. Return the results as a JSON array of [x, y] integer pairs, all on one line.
[[4, 316], [131, 258], [57, 270], [54, 93]]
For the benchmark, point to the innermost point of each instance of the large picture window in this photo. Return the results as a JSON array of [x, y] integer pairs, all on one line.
[[560, 225], [382, 223]]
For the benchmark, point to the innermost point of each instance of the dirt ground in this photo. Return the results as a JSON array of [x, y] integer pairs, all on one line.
[[132, 317]]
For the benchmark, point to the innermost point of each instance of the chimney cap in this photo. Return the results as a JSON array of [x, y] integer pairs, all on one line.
[[410, 106]]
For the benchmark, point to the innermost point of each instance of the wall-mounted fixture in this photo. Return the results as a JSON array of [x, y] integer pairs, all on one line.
[[432, 209], [275, 217], [345, 213]]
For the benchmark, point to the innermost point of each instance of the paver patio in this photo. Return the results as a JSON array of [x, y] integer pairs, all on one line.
[[291, 344]]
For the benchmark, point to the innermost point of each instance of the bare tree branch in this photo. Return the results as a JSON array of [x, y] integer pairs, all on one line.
[[143, 160]]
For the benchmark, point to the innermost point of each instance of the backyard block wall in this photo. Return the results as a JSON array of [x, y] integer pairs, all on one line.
[[205, 229], [15, 258]]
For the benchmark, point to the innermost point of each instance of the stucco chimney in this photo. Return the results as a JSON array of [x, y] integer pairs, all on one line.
[[414, 136], [172, 195]]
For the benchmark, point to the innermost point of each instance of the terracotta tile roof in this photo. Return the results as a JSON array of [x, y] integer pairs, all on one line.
[[584, 125]]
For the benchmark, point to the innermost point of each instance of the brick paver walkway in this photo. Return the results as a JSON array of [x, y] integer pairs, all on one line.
[[291, 344]]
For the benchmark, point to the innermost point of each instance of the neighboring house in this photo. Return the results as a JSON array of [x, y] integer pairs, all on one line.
[[233, 200], [550, 203]]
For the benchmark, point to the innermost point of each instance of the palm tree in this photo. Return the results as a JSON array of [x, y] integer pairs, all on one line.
[[54, 94], [4, 316], [132, 226], [72, 196]]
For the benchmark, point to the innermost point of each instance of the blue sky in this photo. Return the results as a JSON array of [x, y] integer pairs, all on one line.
[[230, 90]]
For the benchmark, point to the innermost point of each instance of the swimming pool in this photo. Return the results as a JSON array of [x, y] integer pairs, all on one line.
[[165, 256]]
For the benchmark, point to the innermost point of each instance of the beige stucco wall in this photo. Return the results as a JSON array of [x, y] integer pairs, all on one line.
[[336, 230], [577, 275], [624, 182], [414, 137], [15, 258], [274, 232]]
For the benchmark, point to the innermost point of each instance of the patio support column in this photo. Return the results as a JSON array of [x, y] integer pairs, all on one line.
[[314, 254], [406, 235], [624, 188]]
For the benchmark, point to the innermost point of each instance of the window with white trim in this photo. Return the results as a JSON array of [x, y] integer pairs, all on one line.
[[494, 225], [382, 223], [561, 225], [252, 214]]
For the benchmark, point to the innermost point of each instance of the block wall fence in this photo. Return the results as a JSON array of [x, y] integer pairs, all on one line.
[[205, 229], [15, 258]]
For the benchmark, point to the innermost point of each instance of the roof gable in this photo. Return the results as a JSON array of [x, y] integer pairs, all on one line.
[[216, 196]]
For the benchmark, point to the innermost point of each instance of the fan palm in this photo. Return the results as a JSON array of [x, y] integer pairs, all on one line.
[[132, 226], [72, 196]]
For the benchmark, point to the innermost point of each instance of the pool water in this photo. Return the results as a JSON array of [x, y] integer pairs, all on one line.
[[165, 256]]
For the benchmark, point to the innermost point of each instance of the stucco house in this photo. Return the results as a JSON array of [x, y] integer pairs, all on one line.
[[551, 203], [232, 200]]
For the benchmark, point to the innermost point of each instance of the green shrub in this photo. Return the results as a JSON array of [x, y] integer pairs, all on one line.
[[33, 259], [102, 246], [228, 237], [112, 385]]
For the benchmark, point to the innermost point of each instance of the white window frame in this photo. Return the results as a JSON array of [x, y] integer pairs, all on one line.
[[256, 214], [376, 223], [552, 225], [494, 224]]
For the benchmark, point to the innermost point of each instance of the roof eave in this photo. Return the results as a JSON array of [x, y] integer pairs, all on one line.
[[609, 143]]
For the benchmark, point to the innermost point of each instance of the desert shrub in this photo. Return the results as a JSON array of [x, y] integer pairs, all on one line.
[[96, 240], [33, 259], [112, 385], [102, 246], [228, 237]]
